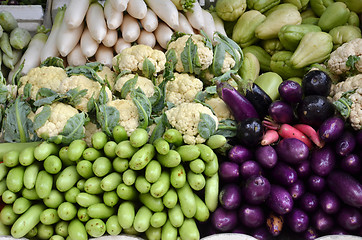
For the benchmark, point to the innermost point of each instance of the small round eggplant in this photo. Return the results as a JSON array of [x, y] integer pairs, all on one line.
[[290, 91], [316, 183], [229, 171], [259, 99], [256, 190], [284, 174], [329, 202], [249, 131], [322, 221], [303, 169], [224, 220], [310, 234], [351, 163], [281, 112], [297, 189], [292, 150], [230, 196], [314, 110], [316, 82], [240, 154], [331, 129], [345, 144], [323, 160], [250, 168], [251, 216], [308, 202], [297, 220], [279, 200], [266, 156], [350, 218]]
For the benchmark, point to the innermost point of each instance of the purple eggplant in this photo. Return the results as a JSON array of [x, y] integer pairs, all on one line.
[[229, 171], [275, 224], [329, 202], [323, 160], [292, 150], [281, 112], [250, 168], [331, 129], [297, 220], [261, 233], [350, 218], [279, 200], [351, 163], [256, 190], [345, 144], [240, 106], [316, 82], [249, 131], [259, 99], [251, 216], [308, 202], [322, 221], [230, 196], [310, 234], [224, 220], [297, 189], [316, 183], [266, 156], [303, 169], [240, 154], [347, 188], [290, 91], [283, 174]]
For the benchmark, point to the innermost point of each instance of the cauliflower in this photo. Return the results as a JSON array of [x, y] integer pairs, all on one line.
[[204, 53], [348, 95], [82, 82], [108, 74], [60, 114], [337, 62], [186, 117], [220, 108], [132, 59], [42, 77], [145, 84], [128, 114]]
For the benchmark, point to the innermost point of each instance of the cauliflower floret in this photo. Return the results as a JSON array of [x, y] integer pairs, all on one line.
[[82, 82], [42, 77], [90, 129], [204, 53], [109, 74], [220, 108], [339, 57], [128, 114], [60, 114], [132, 59], [186, 117], [143, 83]]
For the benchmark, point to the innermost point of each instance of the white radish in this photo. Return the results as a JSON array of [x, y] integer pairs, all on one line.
[[130, 28], [104, 55], [163, 34], [119, 5], [50, 49], [67, 38], [184, 25], [96, 22], [166, 10], [111, 38], [76, 57], [150, 21], [113, 17], [219, 23], [75, 13], [88, 45], [121, 44], [196, 17], [137, 8], [209, 28], [147, 38]]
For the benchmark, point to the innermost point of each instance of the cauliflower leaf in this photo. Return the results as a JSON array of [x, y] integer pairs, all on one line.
[[89, 70], [190, 59], [42, 117], [52, 61], [144, 107], [352, 61], [148, 68], [207, 125], [48, 96], [107, 117]]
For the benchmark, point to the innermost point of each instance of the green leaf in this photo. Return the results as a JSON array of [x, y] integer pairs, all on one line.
[[159, 130], [48, 97], [128, 86], [187, 5], [190, 58], [218, 60], [148, 68], [96, 66], [351, 61], [103, 96], [232, 48], [3, 94], [53, 61], [42, 117], [85, 70], [206, 126], [107, 117], [227, 128], [27, 90], [176, 35], [344, 104], [144, 107], [156, 97], [17, 75], [208, 42], [74, 96]]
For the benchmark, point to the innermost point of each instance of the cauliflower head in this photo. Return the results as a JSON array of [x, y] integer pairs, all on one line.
[[220, 108], [82, 82], [108, 74], [132, 59], [204, 53], [186, 117], [60, 114], [145, 84], [128, 114], [338, 58], [42, 77]]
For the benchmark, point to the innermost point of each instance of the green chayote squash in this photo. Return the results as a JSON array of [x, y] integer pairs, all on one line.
[[272, 45], [230, 10], [353, 19], [343, 34], [290, 35], [311, 20], [335, 15], [319, 6], [307, 13], [262, 55], [262, 5], [301, 4], [353, 5], [250, 67], [280, 63]]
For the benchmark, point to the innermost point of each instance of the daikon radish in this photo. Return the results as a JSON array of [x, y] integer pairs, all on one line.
[[219, 23], [104, 55], [163, 34], [119, 5], [96, 22], [75, 13], [76, 57], [196, 17], [121, 44], [184, 25], [68, 38], [137, 8], [147, 38], [50, 49], [111, 38], [88, 45], [166, 10], [113, 17], [150, 21], [130, 28], [209, 27]]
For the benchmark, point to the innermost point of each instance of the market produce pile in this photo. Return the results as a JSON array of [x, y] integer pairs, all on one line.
[[245, 118]]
